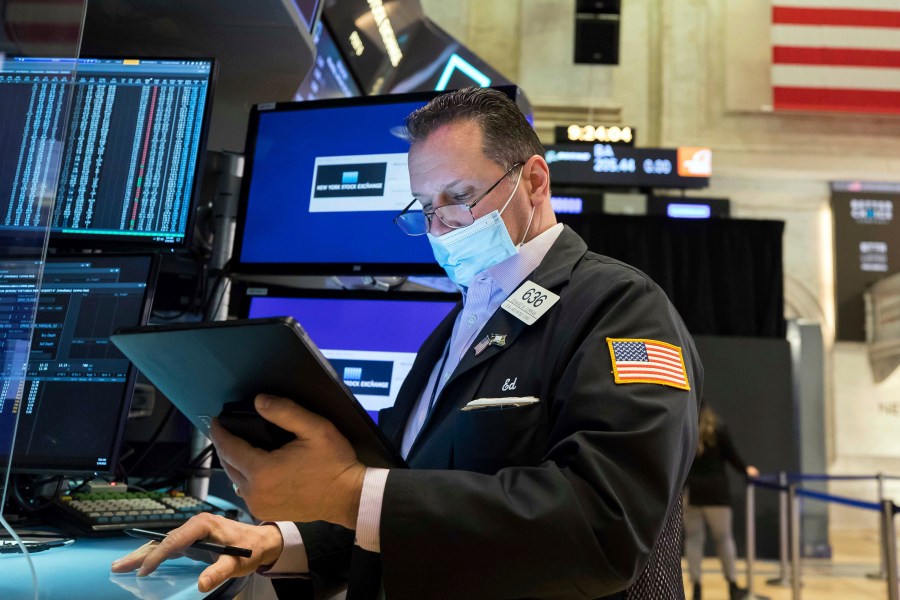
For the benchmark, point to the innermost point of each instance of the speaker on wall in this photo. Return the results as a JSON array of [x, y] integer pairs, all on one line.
[[597, 32]]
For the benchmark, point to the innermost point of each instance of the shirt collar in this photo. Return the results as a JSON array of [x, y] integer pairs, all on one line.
[[510, 273]]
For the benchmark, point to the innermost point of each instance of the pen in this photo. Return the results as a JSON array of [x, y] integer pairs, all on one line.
[[200, 545]]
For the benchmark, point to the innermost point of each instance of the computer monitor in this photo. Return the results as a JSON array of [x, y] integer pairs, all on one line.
[[370, 338], [78, 385], [322, 183], [134, 145]]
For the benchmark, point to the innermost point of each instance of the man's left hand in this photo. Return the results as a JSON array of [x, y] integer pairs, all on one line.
[[316, 477]]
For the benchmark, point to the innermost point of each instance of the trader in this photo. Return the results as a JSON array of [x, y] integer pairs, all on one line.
[[550, 420]]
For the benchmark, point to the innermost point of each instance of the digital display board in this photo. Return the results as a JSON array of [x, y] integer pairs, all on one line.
[[374, 36], [866, 247], [390, 46], [623, 166]]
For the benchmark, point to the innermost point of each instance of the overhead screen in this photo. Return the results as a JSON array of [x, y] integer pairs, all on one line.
[[129, 163], [392, 47], [78, 385], [330, 77], [437, 61], [375, 37]]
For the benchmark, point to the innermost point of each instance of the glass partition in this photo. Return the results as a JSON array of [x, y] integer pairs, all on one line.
[[39, 45]]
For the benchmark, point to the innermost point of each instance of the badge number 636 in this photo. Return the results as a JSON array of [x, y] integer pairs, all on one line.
[[534, 297]]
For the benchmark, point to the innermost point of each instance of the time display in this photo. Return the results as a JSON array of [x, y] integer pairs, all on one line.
[[599, 133]]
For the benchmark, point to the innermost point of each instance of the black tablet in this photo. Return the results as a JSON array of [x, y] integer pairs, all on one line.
[[204, 368]]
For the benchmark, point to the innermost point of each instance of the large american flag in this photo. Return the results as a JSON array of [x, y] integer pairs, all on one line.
[[836, 55], [647, 361]]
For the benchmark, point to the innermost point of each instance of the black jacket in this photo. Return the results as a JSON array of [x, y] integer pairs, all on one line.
[[707, 481], [559, 499]]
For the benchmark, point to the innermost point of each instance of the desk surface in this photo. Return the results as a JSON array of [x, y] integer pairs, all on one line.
[[81, 570]]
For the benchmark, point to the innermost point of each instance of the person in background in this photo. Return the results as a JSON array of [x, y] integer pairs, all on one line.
[[708, 501]]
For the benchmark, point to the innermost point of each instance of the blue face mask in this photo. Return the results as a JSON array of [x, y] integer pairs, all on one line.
[[464, 253]]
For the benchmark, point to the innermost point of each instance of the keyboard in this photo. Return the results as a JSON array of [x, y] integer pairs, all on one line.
[[114, 511]]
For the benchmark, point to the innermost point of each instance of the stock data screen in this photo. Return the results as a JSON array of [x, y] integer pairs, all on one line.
[[125, 135], [77, 386]]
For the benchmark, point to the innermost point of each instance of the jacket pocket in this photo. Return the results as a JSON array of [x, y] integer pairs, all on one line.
[[490, 439]]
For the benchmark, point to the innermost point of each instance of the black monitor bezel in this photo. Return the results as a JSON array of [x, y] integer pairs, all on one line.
[[70, 242], [130, 379], [306, 268], [241, 293]]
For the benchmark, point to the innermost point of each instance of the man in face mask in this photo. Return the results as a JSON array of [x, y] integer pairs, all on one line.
[[476, 210], [550, 420]]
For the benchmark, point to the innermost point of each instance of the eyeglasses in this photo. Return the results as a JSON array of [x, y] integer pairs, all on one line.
[[454, 216]]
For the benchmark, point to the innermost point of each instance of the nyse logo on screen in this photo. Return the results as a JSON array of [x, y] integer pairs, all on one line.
[[352, 374], [368, 377], [350, 180]]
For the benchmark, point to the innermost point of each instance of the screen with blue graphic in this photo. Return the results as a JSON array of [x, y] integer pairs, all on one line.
[[371, 341], [322, 184]]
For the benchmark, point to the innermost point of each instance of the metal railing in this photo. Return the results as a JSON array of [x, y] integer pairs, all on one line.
[[790, 494]]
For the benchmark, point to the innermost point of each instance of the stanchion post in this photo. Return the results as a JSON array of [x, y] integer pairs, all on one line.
[[882, 573], [889, 548], [750, 519], [783, 541], [794, 501]]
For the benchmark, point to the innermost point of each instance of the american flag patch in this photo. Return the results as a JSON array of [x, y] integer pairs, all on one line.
[[647, 361]]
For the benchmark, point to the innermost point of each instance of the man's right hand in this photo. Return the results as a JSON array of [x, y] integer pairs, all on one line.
[[265, 542]]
